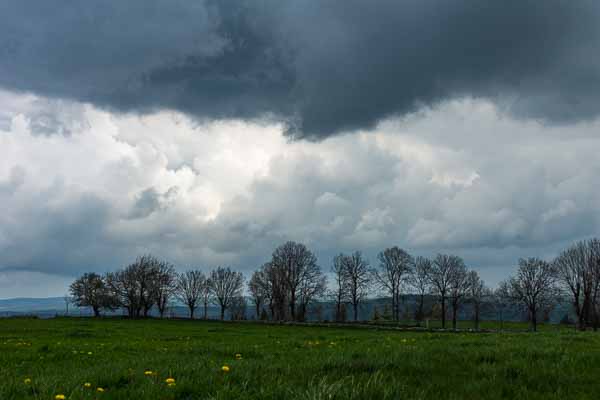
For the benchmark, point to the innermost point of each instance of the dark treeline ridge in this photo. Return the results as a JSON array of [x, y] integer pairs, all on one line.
[[288, 284]]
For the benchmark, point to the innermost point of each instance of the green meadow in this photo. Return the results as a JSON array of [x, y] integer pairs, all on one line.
[[134, 359]]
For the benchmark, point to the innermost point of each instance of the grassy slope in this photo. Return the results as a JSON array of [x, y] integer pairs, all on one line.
[[286, 362]]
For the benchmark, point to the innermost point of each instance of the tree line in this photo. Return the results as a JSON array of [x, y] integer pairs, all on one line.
[[284, 288]]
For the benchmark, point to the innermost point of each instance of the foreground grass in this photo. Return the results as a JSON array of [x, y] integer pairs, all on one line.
[[287, 362]]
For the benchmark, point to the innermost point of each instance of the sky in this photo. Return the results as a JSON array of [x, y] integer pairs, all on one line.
[[208, 132]]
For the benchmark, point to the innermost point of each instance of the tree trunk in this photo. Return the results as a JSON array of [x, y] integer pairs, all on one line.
[[394, 305], [191, 312], [339, 310], [355, 306], [302, 313], [420, 309], [534, 320], [443, 312], [96, 311], [222, 313], [293, 305], [454, 312]]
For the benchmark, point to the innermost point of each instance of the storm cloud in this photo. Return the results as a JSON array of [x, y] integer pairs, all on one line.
[[320, 68]]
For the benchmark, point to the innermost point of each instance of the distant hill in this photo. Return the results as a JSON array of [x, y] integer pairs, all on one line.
[[31, 305], [52, 306]]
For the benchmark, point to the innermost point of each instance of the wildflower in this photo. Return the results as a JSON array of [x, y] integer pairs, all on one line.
[[238, 356], [89, 353], [225, 368], [170, 380], [60, 397], [148, 373], [100, 390], [87, 385], [27, 381]]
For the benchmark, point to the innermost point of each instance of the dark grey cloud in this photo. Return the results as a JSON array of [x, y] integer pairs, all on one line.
[[321, 67]]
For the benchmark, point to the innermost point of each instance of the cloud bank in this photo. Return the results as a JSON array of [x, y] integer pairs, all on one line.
[[459, 177]]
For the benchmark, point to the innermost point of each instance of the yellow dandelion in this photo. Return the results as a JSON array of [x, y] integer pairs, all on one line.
[[87, 385], [148, 373], [170, 380], [238, 356], [225, 368], [27, 381], [60, 397], [100, 390]]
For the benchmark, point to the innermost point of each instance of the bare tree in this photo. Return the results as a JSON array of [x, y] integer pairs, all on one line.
[[421, 282], [238, 308], [395, 265], [277, 289], [147, 271], [135, 286], [312, 286], [476, 294], [358, 278], [297, 268], [206, 296], [225, 285], [595, 263], [189, 289], [68, 300], [459, 285], [91, 290], [534, 286], [265, 287], [124, 286], [441, 276], [258, 290], [577, 271], [502, 299], [339, 293], [165, 284]]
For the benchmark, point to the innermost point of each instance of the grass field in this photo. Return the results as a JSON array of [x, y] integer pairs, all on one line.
[[40, 359]]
